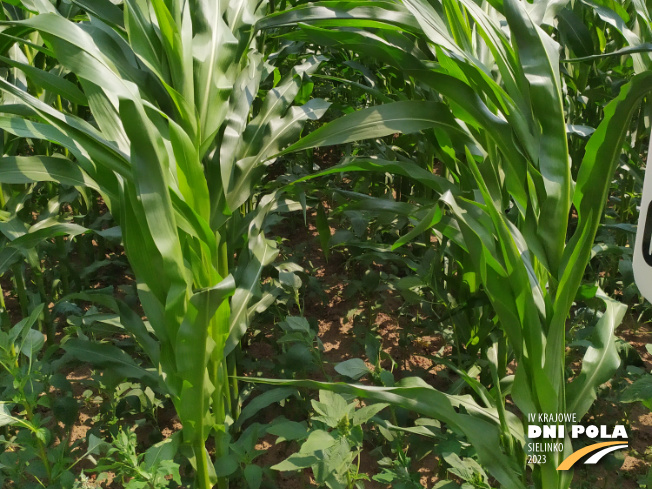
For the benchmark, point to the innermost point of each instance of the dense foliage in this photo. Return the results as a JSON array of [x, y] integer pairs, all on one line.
[[188, 190]]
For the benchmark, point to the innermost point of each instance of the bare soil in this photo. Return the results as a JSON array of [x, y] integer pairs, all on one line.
[[336, 317]]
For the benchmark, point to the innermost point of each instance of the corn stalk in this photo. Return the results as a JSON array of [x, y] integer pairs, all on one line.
[[175, 149]]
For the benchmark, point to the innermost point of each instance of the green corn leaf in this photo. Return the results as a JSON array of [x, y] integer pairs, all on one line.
[[107, 356], [150, 177], [600, 159], [430, 219], [540, 60], [135, 325], [379, 121], [214, 48], [324, 230], [74, 129], [45, 230], [24, 128], [279, 131], [20, 331], [336, 13], [576, 33], [77, 50], [618, 18], [263, 400], [102, 9], [247, 279], [600, 360], [405, 168], [143, 37], [192, 352], [641, 48], [29, 169], [190, 174], [8, 256], [49, 81]]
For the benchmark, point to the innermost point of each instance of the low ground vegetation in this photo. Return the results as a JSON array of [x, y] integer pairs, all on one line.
[[336, 244]]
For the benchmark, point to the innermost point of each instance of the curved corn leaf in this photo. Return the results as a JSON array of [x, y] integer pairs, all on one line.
[[382, 120], [600, 360], [105, 355], [337, 13]]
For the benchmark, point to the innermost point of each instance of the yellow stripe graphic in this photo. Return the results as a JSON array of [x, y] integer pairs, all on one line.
[[575, 456]]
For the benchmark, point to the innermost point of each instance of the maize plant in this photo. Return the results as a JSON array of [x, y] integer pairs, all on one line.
[[507, 204], [155, 105]]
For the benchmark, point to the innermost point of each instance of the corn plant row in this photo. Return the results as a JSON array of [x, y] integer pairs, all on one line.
[[175, 155], [503, 121], [172, 110]]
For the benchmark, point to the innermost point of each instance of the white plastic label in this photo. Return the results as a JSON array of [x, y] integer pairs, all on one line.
[[643, 246]]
